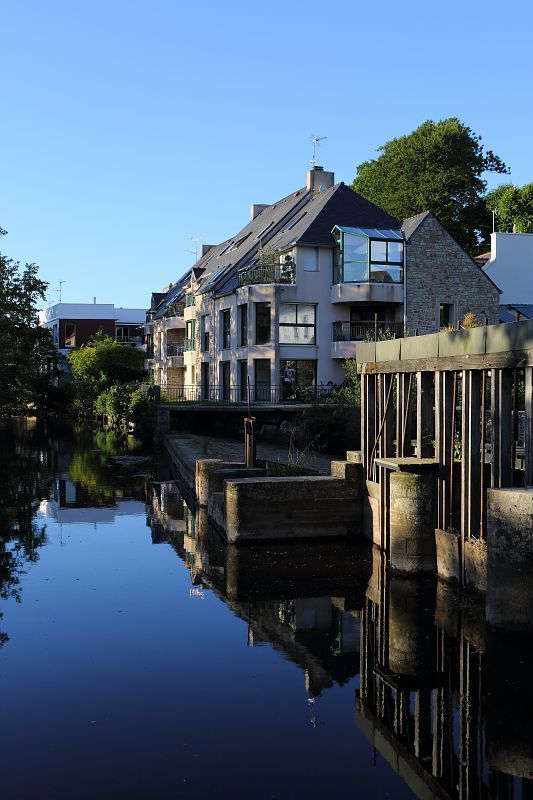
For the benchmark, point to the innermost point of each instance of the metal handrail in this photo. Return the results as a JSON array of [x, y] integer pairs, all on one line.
[[363, 329], [189, 344], [268, 273], [174, 350], [266, 394]]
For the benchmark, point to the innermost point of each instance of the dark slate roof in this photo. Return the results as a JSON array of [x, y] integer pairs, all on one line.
[[509, 311], [410, 224], [157, 297], [338, 205], [240, 249]]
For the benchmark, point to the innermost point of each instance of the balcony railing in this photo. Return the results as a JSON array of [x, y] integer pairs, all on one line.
[[189, 300], [174, 350], [366, 331], [268, 273], [189, 344], [237, 395], [136, 340]]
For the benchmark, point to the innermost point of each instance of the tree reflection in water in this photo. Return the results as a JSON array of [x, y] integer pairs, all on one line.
[[35, 464]]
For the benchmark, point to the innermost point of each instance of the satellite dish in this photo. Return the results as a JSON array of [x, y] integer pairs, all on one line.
[[322, 187]]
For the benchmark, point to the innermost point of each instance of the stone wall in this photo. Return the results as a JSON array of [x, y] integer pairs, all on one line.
[[439, 271]]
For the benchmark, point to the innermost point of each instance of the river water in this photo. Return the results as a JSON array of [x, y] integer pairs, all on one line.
[[142, 658]]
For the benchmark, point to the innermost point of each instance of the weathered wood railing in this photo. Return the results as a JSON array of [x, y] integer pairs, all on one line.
[[461, 402]]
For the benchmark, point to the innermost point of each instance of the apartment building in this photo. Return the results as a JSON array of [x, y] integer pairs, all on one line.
[[280, 305]]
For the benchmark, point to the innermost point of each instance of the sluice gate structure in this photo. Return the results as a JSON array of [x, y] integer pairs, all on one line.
[[447, 458]]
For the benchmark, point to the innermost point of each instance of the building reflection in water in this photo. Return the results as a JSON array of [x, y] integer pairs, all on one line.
[[446, 703]]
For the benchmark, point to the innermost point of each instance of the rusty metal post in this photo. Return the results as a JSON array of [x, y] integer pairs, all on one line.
[[249, 434]]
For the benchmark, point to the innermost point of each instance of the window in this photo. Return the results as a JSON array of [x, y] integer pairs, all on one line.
[[362, 259], [296, 377], [262, 323], [205, 327], [386, 261], [243, 381], [225, 380], [446, 315], [242, 314], [225, 328], [205, 380], [297, 323], [264, 230], [70, 334], [189, 342], [262, 379], [310, 259], [295, 221]]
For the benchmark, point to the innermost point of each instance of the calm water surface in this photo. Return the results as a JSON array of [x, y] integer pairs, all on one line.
[[141, 658]]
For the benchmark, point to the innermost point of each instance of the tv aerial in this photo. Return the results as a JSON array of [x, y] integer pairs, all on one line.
[[315, 141], [195, 239]]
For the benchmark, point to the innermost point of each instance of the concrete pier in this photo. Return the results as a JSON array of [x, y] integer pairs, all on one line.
[[510, 559], [412, 523]]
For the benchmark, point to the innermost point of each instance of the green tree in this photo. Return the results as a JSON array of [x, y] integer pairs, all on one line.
[[24, 346], [439, 167], [100, 364], [513, 206]]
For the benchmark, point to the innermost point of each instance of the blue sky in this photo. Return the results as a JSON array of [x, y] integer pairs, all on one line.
[[128, 126]]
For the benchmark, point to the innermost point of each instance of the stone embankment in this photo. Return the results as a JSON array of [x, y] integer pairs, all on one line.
[[252, 505]]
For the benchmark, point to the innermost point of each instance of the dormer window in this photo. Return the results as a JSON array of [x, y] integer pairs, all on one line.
[[368, 255]]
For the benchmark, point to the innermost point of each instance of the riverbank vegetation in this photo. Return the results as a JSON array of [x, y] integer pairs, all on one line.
[[27, 355], [106, 384]]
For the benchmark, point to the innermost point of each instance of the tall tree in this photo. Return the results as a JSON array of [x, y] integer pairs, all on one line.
[[439, 167], [23, 344], [513, 206]]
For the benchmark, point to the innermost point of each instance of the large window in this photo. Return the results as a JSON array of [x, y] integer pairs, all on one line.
[[386, 261], [70, 334], [243, 380], [242, 314], [297, 378], [297, 323], [362, 259], [262, 323], [262, 380], [225, 328], [354, 258], [205, 327]]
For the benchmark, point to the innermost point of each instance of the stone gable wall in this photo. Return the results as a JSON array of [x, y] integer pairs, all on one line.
[[439, 271]]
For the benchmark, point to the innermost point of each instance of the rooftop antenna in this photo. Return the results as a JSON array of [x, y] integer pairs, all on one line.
[[195, 239], [60, 285], [315, 141]]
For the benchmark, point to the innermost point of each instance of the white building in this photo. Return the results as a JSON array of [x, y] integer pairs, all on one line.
[[511, 266], [73, 324]]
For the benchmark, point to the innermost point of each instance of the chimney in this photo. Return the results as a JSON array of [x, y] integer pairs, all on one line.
[[318, 180], [205, 249], [255, 210]]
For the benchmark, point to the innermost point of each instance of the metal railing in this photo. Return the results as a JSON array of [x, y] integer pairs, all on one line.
[[232, 395], [174, 350], [136, 340], [366, 331], [268, 273], [189, 344]]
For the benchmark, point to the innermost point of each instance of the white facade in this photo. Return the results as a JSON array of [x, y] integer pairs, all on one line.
[[511, 266]]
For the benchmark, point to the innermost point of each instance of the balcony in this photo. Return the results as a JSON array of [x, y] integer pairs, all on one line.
[[189, 344], [136, 341], [174, 353], [269, 273], [189, 300], [346, 334], [174, 350]]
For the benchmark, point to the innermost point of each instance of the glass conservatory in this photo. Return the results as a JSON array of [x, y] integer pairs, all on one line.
[[368, 255]]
